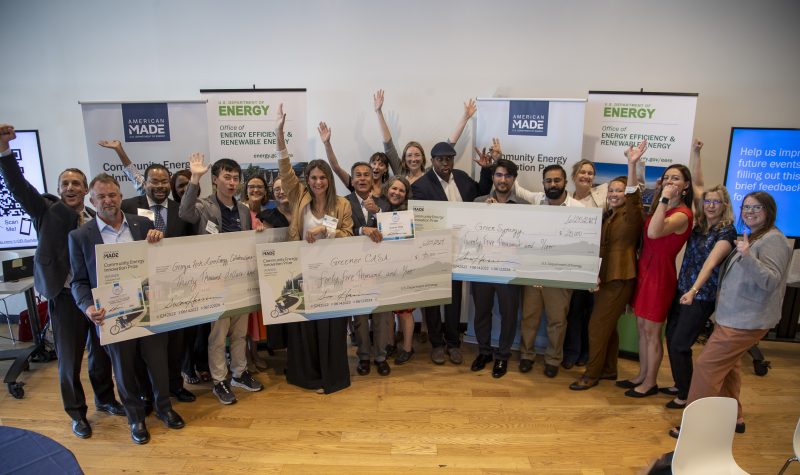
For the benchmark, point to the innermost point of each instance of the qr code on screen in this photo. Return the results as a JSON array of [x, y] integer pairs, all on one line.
[[8, 205]]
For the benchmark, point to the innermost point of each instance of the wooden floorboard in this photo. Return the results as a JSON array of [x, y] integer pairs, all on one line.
[[421, 419]]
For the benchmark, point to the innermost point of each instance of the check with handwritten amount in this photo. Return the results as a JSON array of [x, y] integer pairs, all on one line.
[[353, 276], [553, 246]]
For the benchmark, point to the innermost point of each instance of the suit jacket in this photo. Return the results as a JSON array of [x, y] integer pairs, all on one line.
[[176, 227], [751, 288], [52, 219], [619, 240], [300, 198], [428, 188], [199, 211], [359, 220], [82, 256]]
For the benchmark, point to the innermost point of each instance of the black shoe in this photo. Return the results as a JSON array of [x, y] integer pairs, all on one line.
[[626, 384], [551, 371], [403, 357], [383, 368], [671, 391], [674, 405], [139, 433], [500, 368], [632, 392], [391, 350], [81, 428], [148, 405], [740, 427], [114, 408], [184, 395], [171, 419], [480, 362], [567, 364], [363, 367], [761, 367], [525, 366]]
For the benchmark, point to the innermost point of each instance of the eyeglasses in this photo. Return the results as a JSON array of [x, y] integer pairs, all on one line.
[[753, 208], [507, 176], [712, 202]]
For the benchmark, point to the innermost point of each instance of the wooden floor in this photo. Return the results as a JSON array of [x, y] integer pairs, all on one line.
[[421, 419]]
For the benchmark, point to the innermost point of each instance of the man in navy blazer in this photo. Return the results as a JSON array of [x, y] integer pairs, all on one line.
[[53, 219], [445, 183], [163, 212], [110, 226]]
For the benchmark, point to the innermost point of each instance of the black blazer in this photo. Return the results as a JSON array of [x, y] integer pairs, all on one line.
[[52, 219], [176, 227], [428, 188], [359, 220], [82, 256]]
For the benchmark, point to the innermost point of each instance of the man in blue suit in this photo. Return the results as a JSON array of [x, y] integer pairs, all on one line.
[[445, 183], [53, 218], [110, 226]]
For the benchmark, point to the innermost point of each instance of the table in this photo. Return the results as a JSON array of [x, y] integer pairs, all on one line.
[[23, 451], [23, 356]]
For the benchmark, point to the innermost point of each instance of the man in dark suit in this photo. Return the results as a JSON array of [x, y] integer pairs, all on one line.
[[444, 183], [364, 207], [53, 219], [163, 212], [111, 225]]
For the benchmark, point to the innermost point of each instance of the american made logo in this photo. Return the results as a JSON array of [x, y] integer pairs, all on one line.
[[268, 252], [528, 117], [145, 122], [419, 209], [110, 254]]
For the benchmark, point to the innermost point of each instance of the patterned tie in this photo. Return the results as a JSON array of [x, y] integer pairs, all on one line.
[[159, 222]]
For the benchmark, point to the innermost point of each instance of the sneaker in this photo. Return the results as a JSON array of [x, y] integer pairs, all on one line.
[[403, 357], [247, 381], [437, 355], [223, 392], [455, 355]]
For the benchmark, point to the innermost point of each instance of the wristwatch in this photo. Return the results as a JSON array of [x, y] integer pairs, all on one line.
[[665, 200]]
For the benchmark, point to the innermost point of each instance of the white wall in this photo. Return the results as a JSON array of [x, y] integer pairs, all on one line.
[[742, 57]]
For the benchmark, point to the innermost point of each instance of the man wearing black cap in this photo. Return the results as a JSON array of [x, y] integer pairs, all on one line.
[[444, 183]]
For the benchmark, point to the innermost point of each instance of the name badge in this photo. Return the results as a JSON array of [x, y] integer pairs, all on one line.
[[147, 213], [330, 224], [211, 228]]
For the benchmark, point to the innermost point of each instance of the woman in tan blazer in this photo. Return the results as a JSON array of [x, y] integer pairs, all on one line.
[[621, 232], [316, 356]]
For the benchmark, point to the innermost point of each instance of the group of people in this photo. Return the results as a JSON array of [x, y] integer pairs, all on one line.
[[743, 279]]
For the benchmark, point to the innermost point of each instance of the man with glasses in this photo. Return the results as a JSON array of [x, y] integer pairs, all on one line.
[[444, 183], [504, 174], [555, 301]]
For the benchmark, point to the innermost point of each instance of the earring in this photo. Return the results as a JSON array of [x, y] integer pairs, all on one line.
[[683, 193]]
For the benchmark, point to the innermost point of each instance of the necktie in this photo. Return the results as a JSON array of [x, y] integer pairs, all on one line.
[[159, 221]]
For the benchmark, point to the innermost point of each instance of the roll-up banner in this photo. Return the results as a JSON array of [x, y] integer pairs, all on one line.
[[615, 120], [533, 133], [162, 132], [241, 126]]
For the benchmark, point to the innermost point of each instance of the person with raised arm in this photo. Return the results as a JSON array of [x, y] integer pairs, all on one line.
[[316, 356], [129, 169]]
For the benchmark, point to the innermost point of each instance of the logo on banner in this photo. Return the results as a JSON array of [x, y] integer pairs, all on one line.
[[528, 117], [145, 122]]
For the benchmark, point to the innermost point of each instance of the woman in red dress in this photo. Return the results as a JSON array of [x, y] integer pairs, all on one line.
[[665, 232]]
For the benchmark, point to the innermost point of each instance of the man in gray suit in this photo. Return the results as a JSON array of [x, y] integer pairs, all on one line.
[[53, 218]]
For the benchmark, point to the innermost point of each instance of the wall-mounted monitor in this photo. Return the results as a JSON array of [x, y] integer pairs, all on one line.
[[761, 159], [16, 227]]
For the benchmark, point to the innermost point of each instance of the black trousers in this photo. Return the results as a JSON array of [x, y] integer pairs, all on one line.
[[576, 342], [448, 334], [195, 350], [175, 353], [73, 333], [684, 324], [124, 356], [508, 297]]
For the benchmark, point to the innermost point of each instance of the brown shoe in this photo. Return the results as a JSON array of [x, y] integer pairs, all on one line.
[[583, 383]]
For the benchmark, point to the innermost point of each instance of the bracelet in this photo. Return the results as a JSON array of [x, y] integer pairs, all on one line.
[[695, 290]]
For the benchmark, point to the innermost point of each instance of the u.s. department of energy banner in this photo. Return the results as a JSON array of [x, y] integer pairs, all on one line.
[[615, 120], [533, 133], [163, 132], [241, 126]]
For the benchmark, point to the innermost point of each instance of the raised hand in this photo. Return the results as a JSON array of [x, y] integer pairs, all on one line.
[[496, 151], [743, 245], [113, 144], [197, 165], [377, 100], [370, 206], [470, 108], [484, 160], [697, 145], [324, 132], [635, 154], [280, 119], [670, 191], [7, 134]]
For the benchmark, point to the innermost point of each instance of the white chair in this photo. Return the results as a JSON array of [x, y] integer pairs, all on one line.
[[705, 444], [4, 256], [796, 445]]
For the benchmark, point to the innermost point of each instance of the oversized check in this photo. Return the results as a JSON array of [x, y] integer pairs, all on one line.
[[552, 246], [353, 276], [186, 281]]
